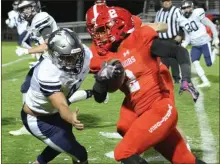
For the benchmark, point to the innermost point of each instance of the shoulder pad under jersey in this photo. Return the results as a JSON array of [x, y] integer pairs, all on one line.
[[146, 33], [41, 20], [199, 13], [48, 73]]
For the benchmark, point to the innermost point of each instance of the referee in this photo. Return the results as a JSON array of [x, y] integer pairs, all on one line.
[[169, 14]]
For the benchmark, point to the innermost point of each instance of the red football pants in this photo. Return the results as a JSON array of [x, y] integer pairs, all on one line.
[[148, 129], [174, 149], [126, 118], [166, 141]]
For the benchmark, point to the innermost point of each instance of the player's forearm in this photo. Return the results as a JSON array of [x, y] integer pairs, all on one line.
[[166, 49], [65, 113], [38, 49], [209, 23], [80, 96], [159, 27]]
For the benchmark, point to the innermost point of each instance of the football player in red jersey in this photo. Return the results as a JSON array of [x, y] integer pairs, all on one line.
[[99, 54], [155, 125]]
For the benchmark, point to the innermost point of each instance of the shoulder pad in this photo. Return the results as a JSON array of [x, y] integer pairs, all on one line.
[[48, 72], [146, 33], [199, 12], [41, 20]]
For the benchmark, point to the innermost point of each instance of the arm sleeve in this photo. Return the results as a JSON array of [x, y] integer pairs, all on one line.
[[209, 23], [79, 96], [48, 88], [161, 48], [48, 79]]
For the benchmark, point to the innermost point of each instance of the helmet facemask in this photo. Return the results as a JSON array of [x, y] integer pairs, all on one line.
[[66, 51], [112, 27], [90, 29], [187, 12], [187, 8], [109, 35], [28, 11], [72, 63]]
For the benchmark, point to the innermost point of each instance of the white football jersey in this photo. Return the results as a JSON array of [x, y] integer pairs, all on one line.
[[16, 21], [195, 31], [40, 21], [47, 78]]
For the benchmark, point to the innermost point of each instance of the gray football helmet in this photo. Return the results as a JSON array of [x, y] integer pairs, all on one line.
[[28, 9], [66, 50], [187, 4]]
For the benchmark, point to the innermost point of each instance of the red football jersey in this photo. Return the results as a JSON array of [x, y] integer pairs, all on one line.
[[143, 83]]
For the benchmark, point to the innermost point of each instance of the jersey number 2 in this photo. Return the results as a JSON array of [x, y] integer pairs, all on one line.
[[132, 83], [112, 13]]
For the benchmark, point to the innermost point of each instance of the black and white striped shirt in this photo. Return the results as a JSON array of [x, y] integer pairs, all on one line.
[[170, 17]]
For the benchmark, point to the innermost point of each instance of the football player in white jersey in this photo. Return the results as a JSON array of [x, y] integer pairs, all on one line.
[[14, 20], [40, 26], [194, 24], [46, 113]]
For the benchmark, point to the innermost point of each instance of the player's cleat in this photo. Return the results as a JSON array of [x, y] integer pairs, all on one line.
[[188, 86], [206, 84], [21, 131]]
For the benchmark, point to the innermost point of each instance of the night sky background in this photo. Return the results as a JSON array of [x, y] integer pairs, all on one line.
[[66, 10]]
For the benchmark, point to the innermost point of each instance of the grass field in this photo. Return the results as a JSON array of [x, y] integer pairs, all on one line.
[[103, 117]]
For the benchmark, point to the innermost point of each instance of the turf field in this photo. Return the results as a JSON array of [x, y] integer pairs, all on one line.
[[199, 121]]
